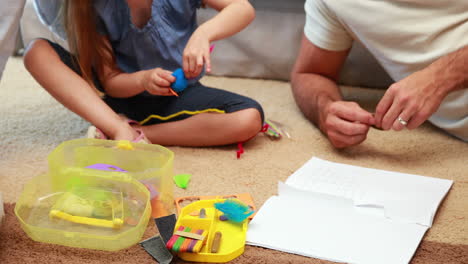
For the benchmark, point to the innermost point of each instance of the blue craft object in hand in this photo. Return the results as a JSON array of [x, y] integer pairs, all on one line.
[[181, 82]]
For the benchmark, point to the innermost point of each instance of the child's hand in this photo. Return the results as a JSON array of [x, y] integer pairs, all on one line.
[[196, 53], [158, 81]]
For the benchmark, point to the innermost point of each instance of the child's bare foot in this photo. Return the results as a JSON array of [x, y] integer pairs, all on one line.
[[128, 130], [140, 138], [132, 130], [125, 132]]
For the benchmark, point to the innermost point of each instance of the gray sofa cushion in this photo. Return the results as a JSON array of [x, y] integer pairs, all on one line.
[[267, 48]]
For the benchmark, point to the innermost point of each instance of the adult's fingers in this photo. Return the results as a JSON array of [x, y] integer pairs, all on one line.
[[398, 124], [391, 115], [383, 106], [407, 116], [342, 141], [346, 127], [419, 117], [352, 112]]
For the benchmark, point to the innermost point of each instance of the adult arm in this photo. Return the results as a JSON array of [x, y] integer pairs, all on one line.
[[315, 90], [415, 98], [233, 16]]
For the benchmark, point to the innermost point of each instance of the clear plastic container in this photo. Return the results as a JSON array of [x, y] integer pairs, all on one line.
[[107, 209], [150, 164]]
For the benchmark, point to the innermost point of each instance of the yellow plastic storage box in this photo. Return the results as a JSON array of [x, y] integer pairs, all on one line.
[[79, 204]]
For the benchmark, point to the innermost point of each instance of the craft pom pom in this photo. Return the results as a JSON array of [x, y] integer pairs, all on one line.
[[234, 210]]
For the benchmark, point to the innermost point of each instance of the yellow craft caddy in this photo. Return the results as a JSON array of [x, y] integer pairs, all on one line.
[[97, 194], [233, 234]]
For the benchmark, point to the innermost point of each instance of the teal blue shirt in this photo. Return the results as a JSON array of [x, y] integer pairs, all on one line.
[[160, 43]]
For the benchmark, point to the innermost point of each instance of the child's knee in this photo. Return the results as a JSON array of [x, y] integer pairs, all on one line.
[[250, 123]]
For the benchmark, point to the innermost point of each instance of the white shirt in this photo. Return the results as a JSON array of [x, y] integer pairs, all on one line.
[[405, 36]]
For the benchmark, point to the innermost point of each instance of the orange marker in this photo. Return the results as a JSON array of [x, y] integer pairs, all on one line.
[[173, 92]]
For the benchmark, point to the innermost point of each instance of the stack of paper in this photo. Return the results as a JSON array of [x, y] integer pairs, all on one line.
[[348, 214]]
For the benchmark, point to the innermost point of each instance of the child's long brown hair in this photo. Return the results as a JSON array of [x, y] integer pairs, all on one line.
[[84, 40]]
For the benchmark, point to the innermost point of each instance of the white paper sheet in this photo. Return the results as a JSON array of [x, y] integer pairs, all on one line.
[[348, 214], [406, 197]]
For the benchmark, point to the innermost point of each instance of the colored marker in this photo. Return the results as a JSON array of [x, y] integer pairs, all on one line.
[[173, 92]]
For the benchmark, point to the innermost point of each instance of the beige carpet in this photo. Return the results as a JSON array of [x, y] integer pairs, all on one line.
[[32, 124]]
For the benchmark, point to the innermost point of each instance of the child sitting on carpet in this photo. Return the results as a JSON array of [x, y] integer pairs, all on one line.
[[127, 50]]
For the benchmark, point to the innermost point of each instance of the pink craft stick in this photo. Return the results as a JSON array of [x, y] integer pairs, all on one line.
[[174, 238]]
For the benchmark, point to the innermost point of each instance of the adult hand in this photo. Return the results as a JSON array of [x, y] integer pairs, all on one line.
[[158, 81], [345, 123], [413, 99], [196, 53]]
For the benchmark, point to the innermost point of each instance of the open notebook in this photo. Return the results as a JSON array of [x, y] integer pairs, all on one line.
[[350, 214]]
